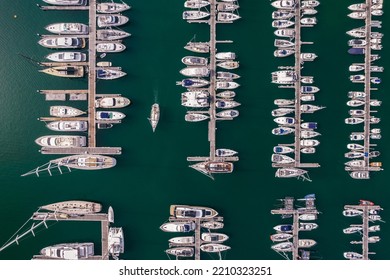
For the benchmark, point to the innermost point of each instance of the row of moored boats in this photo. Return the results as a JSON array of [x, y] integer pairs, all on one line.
[[197, 71], [183, 218], [364, 41], [362, 230], [287, 115]]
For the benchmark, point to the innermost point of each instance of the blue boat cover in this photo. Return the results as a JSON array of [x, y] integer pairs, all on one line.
[[187, 82], [105, 115], [356, 51], [286, 228]]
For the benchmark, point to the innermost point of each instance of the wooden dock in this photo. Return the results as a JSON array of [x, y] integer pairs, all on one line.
[[366, 220], [99, 217], [63, 8]]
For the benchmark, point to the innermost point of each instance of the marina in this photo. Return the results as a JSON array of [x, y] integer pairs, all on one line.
[[293, 78], [199, 221], [70, 65], [367, 44]]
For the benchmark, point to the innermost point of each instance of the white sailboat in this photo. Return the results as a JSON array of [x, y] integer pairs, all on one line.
[[154, 116]]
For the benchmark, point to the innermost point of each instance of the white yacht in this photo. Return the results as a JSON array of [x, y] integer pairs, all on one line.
[[226, 94], [197, 99], [66, 2], [193, 83], [73, 207], [61, 141], [356, 163], [285, 32], [282, 111], [306, 243], [284, 52], [283, 44], [284, 77], [115, 240], [68, 125], [283, 149], [352, 212], [225, 152], [360, 7], [356, 67], [226, 85], [289, 172], [214, 247], [62, 42], [194, 61], [282, 130], [196, 4], [67, 57], [284, 102], [308, 56], [69, 251], [355, 102], [195, 71], [68, 28], [278, 237], [281, 159], [227, 114], [309, 21], [283, 247], [226, 104], [86, 162], [357, 15], [194, 14], [353, 146], [310, 3], [227, 75], [308, 150], [178, 227], [310, 142], [111, 34], [199, 47], [182, 240], [112, 102], [225, 55], [284, 4], [108, 47], [227, 7], [65, 111], [111, 20], [109, 115], [214, 237], [308, 108], [109, 74], [154, 116], [283, 14], [181, 251], [354, 120], [307, 217], [353, 256], [227, 17], [109, 8], [195, 117], [228, 64], [289, 121], [307, 226], [309, 134], [282, 23]]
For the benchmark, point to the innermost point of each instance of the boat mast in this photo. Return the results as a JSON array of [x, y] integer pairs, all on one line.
[[16, 239]]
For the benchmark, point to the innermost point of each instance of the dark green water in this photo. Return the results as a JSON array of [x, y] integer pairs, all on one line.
[[152, 172]]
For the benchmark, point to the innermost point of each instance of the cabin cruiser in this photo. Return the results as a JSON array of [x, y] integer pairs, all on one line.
[[227, 94], [357, 7], [68, 125], [282, 23], [208, 167], [198, 47], [284, 102], [228, 64], [112, 102], [284, 52], [109, 8], [352, 212], [214, 247], [354, 120], [309, 143], [356, 43], [306, 243], [308, 97], [110, 47], [69, 251], [308, 150], [227, 7], [67, 57], [65, 111], [111, 20], [307, 226], [194, 61], [308, 56], [353, 256], [309, 21], [178, 227], [186, 212], [308, 108], [280, 43], [65, 71], [283, 14], [309, 134], [109, 115], [309, 125], [195, 71], [309, 89], [182, 240], [355, 102], [354, 146], [308, 11], [226, 85], [226, 104], [225, 152], [66, 2], [310, 3], [354, 154], [283, 247], [282, 130], [278, 237], [68, 28], [284, 4], [62, 42], [285, 121], [282, 111], [227, 75], [61, 141], [285, 32], [356, 67], [225, 55], [281, 159]]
